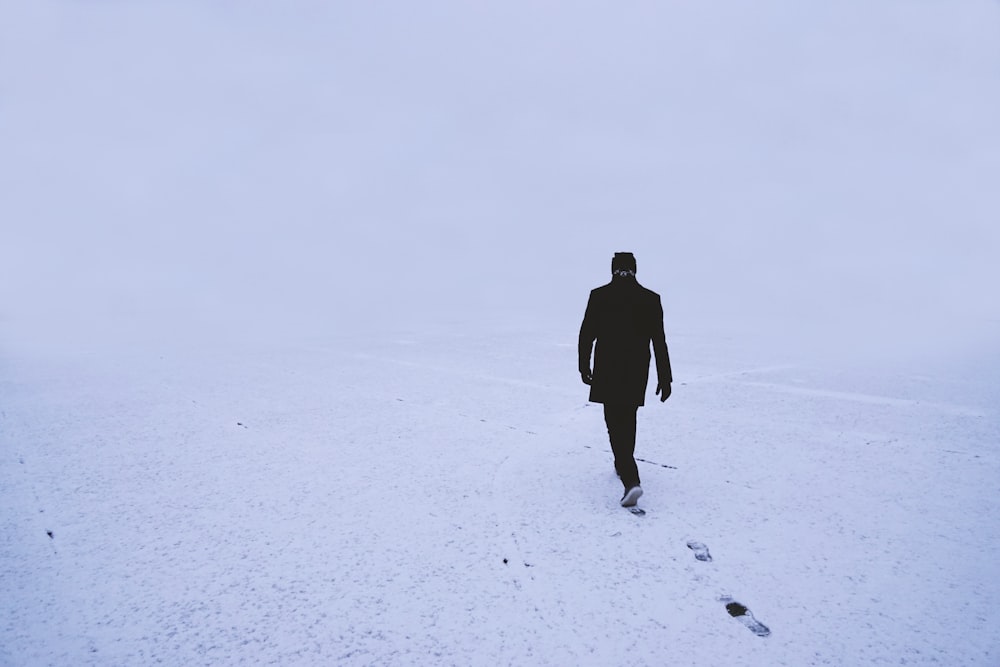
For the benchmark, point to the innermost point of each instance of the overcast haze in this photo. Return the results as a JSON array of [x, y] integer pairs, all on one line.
[[805, 169], [289, 296]]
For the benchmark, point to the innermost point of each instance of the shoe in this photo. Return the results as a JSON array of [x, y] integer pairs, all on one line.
[[631, 496]]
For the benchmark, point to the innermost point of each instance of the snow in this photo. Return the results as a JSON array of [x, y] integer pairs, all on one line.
[[355, 503], [288, 306]]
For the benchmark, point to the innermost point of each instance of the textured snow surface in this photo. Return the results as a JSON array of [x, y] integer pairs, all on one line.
[[451, 500], [288, 303]]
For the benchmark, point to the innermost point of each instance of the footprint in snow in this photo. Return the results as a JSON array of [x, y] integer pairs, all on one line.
[[700, 551], [743, 615]]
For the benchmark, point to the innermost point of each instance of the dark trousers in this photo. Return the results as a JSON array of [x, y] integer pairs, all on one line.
[[621, 430]]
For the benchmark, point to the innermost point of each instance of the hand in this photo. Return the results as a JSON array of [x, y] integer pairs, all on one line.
[[586, 376], [663, 390]]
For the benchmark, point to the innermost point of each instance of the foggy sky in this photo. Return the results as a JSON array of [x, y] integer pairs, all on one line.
[[822, 172]]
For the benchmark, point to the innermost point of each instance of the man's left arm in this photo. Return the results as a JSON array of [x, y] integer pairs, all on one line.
[[663, 373]]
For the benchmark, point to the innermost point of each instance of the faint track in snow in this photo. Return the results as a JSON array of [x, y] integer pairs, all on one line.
[[515, 382], [864, 398], [536, 597], [513, 555], [732, 374], [43, 528]]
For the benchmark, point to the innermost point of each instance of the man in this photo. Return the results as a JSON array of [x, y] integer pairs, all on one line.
[[623, 317]]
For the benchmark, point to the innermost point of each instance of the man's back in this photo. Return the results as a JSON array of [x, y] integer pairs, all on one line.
[[624, 318]]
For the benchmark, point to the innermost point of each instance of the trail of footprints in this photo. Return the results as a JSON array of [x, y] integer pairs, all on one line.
[[736, 609]]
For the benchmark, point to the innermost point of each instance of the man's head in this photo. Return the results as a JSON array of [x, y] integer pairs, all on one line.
[[623, 264]]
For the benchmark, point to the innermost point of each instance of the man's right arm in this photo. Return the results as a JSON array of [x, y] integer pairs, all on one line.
[[588, 334]]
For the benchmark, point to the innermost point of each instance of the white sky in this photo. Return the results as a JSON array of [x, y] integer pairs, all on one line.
[[823, 172]]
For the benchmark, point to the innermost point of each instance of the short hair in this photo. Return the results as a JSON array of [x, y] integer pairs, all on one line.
[[623, 261]]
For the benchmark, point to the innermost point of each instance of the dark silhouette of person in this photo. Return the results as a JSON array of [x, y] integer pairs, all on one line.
[[624, 318]]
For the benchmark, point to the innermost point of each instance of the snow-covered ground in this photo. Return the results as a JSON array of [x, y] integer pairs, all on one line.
[[451, 500], [288, 304]]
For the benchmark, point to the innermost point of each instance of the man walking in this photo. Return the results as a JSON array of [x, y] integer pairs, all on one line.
[[623, 317]]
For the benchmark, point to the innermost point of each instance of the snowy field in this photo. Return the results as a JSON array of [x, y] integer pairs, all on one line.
[[451, 500], [289, 297]]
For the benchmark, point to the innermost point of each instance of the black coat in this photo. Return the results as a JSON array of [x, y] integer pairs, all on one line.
[[623, 317]]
